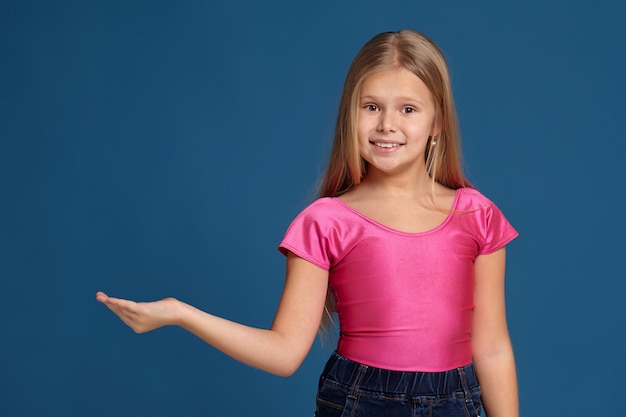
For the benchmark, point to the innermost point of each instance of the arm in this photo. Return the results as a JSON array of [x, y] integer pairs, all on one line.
[[279, 350], [491, 344]]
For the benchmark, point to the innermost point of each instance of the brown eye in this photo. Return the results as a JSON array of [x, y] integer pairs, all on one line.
[[371, 107], [409, 110]]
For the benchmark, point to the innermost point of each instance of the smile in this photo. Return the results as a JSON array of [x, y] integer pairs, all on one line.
[[386, 145]]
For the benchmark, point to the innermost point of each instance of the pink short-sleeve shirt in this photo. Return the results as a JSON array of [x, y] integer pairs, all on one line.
[[404, 300]]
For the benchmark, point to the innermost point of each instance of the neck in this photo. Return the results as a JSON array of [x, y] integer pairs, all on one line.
[[406, 185]]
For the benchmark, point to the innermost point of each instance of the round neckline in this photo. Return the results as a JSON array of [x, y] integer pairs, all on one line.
[[455, 203]]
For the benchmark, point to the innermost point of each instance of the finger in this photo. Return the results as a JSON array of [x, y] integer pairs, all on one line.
[[105, 299], [125, 309], [109, 301], [121, 303]]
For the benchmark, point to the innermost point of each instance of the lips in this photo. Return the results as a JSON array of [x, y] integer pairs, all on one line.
[[385, 145]]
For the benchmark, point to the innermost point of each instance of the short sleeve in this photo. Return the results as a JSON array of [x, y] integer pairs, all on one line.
[[308, 236], [496, 231]]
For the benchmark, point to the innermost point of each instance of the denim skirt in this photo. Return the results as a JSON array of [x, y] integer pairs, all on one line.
[[350, 389]]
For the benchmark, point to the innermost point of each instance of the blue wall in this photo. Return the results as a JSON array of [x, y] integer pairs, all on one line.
[[155, 149]]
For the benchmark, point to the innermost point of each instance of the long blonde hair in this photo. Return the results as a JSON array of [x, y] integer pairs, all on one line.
[[420, 55]]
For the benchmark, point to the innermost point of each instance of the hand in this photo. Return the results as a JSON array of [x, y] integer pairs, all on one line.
[[142, 317]]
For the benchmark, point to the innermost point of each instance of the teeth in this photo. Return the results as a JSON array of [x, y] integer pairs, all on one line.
[[386, 145]]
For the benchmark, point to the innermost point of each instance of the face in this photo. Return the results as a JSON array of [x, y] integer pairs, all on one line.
[[395, 118]]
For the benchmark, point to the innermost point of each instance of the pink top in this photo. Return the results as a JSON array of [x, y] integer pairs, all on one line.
[[404, 300]]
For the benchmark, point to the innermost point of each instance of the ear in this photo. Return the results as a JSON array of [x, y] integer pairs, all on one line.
[[437, 125]]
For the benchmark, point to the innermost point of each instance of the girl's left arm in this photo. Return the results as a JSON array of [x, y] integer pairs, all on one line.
[[491, 344]]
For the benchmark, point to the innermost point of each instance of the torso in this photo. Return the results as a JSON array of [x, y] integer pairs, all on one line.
[[403, 288]]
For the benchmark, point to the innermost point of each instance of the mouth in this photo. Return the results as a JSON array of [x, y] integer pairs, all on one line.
[[386, 145]]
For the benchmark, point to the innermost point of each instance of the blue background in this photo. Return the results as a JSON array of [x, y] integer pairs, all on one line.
[[155, 148]]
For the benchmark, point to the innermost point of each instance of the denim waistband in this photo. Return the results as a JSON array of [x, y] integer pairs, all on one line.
[[354, 375]]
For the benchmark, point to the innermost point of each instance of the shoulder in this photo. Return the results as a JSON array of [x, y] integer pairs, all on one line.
[[321, 232], [485, 218], [472, 199], [323, 214], [320, 209], [322, 204]]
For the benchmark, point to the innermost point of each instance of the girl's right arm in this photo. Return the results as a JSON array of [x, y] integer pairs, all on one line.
[[279, 350]]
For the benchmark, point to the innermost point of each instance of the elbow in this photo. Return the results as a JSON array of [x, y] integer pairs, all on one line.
[[282, 371], [492, 352], [285, 373], [286, 368], [284, 357], [286, 365]]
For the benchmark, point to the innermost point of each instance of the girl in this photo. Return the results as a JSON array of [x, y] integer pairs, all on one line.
[[400, 246]]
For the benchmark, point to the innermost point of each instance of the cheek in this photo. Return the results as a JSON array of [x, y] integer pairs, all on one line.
[[422, 130], [362, 133], [366, 126]]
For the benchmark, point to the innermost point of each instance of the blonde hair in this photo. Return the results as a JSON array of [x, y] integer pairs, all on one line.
[[417, 53]]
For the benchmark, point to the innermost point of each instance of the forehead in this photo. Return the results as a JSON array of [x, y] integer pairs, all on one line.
[[394, 82]]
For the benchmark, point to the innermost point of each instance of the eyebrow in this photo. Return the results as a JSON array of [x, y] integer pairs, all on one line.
[[401, 99]]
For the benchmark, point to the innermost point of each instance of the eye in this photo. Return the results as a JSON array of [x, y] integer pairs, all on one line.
[[371, 107], [409, 109]]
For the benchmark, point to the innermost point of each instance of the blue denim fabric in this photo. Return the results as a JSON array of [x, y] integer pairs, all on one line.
[[350, 389]]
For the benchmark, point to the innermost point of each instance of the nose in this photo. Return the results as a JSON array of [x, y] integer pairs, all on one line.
[[387, 121]]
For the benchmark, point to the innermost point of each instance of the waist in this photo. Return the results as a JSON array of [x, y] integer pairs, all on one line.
[[428, 353], [348, 373]]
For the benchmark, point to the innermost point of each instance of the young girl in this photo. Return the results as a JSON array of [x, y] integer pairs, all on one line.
[[400, 246]]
